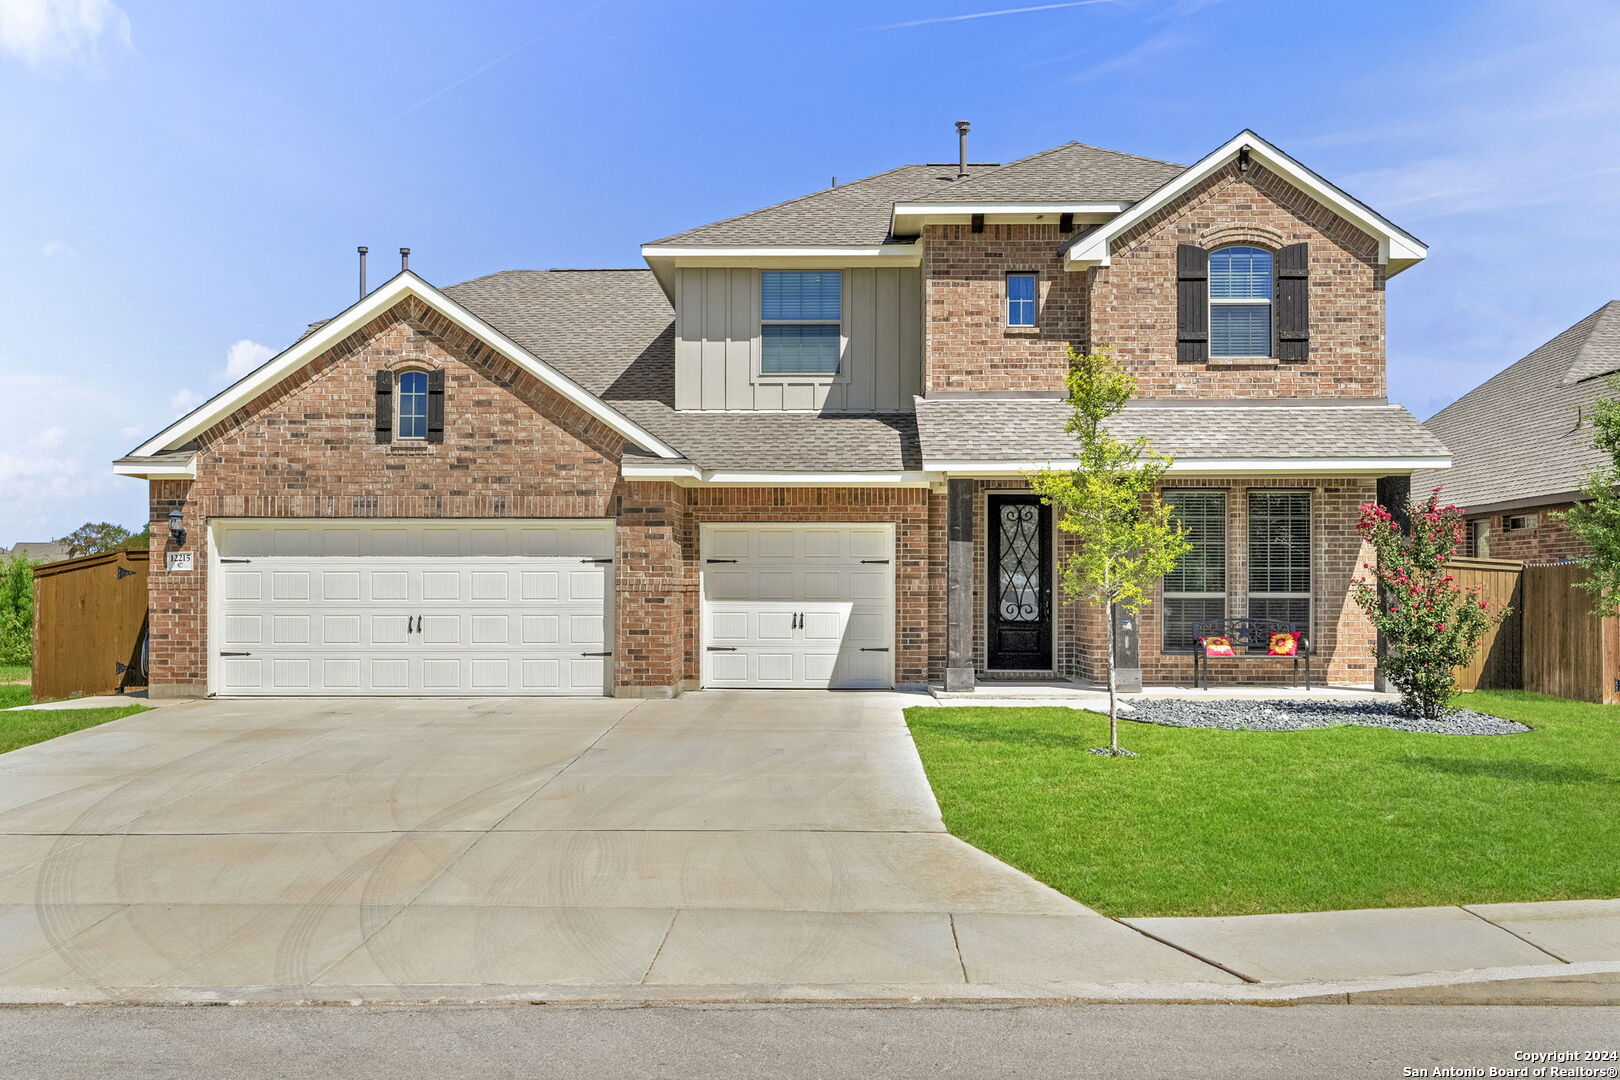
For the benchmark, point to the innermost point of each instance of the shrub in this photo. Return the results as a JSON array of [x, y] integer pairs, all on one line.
[[16, 611], [1430, 624]]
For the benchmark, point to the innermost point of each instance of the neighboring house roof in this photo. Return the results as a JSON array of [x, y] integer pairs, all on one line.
[[852, 214], [42, 551], [1073, 172], [1207, 437], [612, 331], [1525, 435]]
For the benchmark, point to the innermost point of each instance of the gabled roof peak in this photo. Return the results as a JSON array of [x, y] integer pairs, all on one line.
[[1597, 352]]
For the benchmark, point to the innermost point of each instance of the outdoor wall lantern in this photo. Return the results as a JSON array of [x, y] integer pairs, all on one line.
[[177, 526]]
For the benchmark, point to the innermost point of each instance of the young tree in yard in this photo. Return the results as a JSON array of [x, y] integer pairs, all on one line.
[[1430, 624], [16, 610], [1125, 536], [93, 538], [1596, 522]]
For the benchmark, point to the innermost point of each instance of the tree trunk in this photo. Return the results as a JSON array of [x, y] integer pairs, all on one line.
[[1113, 714]]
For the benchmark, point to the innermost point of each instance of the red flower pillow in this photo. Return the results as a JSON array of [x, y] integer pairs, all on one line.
[[1218, 646], [1284, 645]]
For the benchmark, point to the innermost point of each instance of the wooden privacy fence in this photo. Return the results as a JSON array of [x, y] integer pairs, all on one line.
[[89, 625], [1550, 643]]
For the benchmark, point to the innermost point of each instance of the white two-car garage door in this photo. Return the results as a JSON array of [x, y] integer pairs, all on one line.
[[798, 605], [411, 607]]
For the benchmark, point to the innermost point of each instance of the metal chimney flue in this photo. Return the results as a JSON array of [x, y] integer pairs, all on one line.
[[962, 128], [362, 252], [404, 258]]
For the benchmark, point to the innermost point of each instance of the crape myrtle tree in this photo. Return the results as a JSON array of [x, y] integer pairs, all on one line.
[[1431, 625], [1126, 538], [1596, 521]]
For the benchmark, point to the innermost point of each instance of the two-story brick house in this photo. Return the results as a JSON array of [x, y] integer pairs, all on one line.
[[791, 452]]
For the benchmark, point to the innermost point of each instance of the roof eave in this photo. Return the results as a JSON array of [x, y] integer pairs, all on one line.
[[1397, 248], [1194, 466]]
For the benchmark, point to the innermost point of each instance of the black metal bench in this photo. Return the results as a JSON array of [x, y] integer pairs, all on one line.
[[1251, 640]]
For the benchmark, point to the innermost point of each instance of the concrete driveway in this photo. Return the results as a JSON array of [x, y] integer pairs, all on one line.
[[319, 846]]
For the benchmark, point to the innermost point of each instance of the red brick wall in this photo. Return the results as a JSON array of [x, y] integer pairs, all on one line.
[[967, 344], [307, 448], [1133, 301], [1548, 541]]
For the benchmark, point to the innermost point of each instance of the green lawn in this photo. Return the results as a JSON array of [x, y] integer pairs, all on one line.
[[14, 695], [10, 673], [1233, 823], [36, 725]]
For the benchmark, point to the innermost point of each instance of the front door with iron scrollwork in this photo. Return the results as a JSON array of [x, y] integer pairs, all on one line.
[[1019, 607]]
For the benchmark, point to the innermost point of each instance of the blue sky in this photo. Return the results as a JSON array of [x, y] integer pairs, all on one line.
[[183, 185]]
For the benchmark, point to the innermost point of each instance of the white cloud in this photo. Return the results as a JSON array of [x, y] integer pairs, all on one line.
[[133, 431], [243, 357], [55, 248], [183, 401], [990, 14], [47, 438], [41, 31], [58, 472]]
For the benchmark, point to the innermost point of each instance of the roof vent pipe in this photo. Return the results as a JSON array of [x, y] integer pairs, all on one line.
[[362, 252], [404, 258], [961, 149]]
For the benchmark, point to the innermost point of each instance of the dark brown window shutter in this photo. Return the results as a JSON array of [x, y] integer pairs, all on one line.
[[1192, 303], [385, 406], [1293, 302], [435, 403]]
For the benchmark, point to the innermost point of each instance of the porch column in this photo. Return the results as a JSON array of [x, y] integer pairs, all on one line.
[[959, 585]]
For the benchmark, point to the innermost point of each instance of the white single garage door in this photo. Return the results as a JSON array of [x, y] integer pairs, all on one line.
[[798, 606], [350, 607]]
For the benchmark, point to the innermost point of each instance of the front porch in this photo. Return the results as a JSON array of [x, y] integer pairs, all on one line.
[[1266, 547]]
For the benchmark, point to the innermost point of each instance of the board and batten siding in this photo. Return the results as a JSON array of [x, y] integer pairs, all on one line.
[[717, 345]]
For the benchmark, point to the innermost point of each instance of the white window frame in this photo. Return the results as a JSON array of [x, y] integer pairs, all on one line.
[[399, 398], [1520, 522], [1034, 301], [1250, 595], [1226, 301], [1166, 594], [839, 374]]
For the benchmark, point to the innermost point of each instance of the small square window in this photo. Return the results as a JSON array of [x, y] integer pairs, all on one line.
[[1021, 292], [1518, 522]]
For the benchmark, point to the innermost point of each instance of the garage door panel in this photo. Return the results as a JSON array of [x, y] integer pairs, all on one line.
[[797, 606], [496, 608]]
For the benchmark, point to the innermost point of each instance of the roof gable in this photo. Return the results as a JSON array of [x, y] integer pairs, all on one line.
[[1397, 248], [1598, 350], [324, 336]]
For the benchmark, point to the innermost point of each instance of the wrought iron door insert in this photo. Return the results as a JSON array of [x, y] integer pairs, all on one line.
[[1019, 606]]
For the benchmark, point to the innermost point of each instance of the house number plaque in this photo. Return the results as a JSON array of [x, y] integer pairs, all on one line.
[[179, 561]]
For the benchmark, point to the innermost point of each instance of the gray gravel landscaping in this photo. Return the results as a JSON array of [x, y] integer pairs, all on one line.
[[1251, 714]]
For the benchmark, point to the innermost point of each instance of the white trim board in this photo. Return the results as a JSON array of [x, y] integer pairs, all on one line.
[[1212, 466], [1397, 248], [385, 296]]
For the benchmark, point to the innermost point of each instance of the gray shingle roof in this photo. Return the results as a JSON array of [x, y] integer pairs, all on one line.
[[856, 213], [1072, 172], [1525, 432], [1025, 430], [612, 331]]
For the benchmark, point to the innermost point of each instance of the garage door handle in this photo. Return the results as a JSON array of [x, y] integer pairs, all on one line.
[[235, 560], [598, 560], [879, 562], [722, 648], [881, 648], [236, 654], [608, 653], [719, 560]]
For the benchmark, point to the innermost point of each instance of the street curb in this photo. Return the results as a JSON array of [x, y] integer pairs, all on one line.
[[1591, 983]]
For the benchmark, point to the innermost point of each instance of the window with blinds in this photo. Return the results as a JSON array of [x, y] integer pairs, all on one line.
[[1195, 591], [801, 313], [1240, 302], [1280, 557]]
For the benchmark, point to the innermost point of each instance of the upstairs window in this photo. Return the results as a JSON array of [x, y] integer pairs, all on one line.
[[1195, 591], [1240, 281], [412, 413], [801, 313], [1021, 299]]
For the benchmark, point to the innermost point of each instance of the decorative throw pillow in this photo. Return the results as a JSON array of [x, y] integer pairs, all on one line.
[[1284, 644], [1218, 646]]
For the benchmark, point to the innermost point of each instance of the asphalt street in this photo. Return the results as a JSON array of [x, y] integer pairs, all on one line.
[[1163, 1042]]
